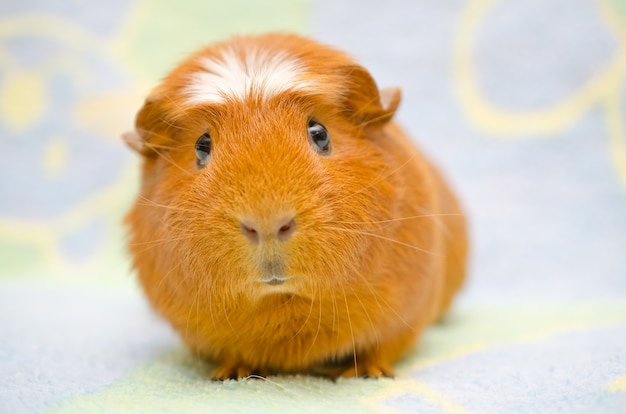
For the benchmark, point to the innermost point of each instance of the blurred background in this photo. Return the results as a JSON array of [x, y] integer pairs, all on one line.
[[522, 103]]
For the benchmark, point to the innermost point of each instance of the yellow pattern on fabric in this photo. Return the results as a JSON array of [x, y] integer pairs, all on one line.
[[618, 385], [604, 89]]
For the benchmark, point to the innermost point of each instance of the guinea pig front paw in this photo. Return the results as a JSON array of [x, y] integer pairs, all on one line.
[[368, 369], [235, 370]]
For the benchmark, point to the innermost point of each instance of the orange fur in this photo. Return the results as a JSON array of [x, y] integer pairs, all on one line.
[[379, 246]]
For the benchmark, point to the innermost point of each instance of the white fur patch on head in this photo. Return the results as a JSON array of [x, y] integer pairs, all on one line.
[[236, 76]]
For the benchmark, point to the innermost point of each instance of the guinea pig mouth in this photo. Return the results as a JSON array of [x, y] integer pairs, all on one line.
[[275, 280], [272, 273]]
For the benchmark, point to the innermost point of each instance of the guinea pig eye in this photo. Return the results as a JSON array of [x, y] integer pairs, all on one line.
[[319, 137], [203, 149]]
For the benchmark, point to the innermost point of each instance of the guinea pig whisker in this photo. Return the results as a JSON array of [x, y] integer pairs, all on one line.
[[378, 236], [193, 307], [363, 188], [152, 203], [182, 110], [395, 170], [158, 241], [210, 303], [262, 378], [161, 137], [155, 134], [367, 315], [196, 297], [166, 207], [196, 322], [377, 295], [363, 109], [162, 154], [155, 243], [190, 233], [373, 292], [166, 276], [305, 321], [172, 162], [334, 302], [373, 120], [379, 177], [319, 323], [394, 220], [225, 310], [345, 298], [172, 125], [168, 147]]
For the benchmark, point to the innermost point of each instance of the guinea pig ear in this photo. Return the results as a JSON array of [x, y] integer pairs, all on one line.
[[147, 124], [369, 105], [390, 98], [135, 141]]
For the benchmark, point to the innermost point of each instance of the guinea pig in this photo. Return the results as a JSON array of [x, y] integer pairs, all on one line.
[[284, 224]]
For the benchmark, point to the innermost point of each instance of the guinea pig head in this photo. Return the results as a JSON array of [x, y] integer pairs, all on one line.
[[263, 159]]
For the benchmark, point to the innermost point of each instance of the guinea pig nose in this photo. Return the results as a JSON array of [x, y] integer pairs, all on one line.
[[250, 232], [282, 229], [286, 228]]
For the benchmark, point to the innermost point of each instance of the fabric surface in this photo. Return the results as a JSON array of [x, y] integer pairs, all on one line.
[[521, 102]]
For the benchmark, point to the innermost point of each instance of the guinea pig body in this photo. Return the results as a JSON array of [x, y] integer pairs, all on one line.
[[284, 223]]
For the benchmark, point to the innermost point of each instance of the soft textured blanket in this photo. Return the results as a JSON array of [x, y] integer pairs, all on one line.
[[521, 102]]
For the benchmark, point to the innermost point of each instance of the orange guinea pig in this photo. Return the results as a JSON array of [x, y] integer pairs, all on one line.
[[284, 225]]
